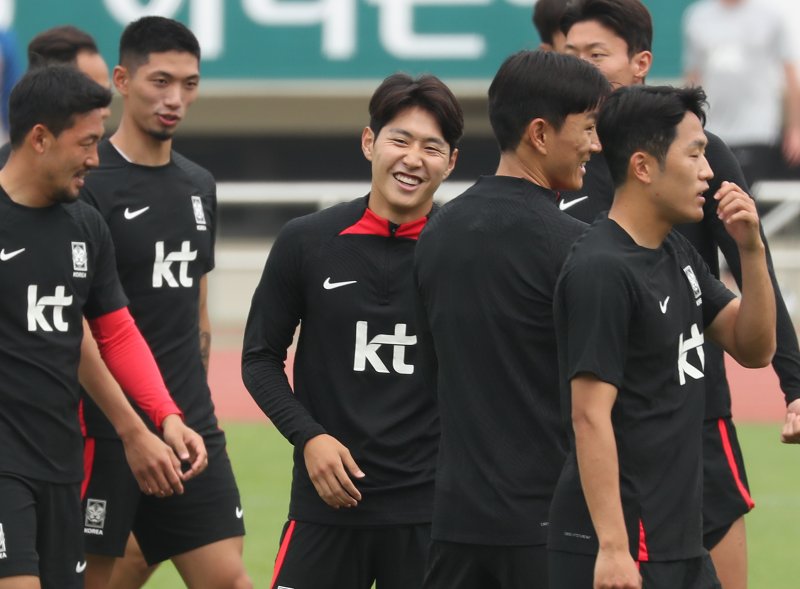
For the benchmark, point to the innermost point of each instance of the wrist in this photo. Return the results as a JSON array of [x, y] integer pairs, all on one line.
[[131, 429]]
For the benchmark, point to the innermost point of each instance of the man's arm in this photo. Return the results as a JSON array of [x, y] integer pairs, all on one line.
[[791, 127], [598, 465], [205, 323]]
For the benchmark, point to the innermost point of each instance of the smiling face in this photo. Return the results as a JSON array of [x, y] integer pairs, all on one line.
[[410, 159], [158, 93], [568, 150], [679, 183]]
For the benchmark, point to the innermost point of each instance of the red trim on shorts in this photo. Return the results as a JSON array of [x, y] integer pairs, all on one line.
[[726, 446], [88, 463], [287, 538], [643, 555]]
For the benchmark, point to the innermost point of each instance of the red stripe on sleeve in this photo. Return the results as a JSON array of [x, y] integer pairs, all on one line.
[[282, 552], [643, 555], [88, 464], [728, 449]]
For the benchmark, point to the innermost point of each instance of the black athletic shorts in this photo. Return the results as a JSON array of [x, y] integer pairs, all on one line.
[[576, 571], [40, 532], [208, 511], [454, 565], [315, 556], [726, 495]]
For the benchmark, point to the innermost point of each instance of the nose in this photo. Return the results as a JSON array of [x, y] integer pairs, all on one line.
[[595, 146], [413, 157], [706, 173], [172, 96], [92, 158]]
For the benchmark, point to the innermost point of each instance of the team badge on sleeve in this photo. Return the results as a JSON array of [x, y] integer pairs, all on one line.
[[2, 542], [199, 214], [698, 299], [80, 260]]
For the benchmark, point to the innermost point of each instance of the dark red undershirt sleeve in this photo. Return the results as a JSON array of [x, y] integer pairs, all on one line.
[[131, 362]]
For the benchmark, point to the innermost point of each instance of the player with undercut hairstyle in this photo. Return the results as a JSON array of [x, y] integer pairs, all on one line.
[[547, 21]]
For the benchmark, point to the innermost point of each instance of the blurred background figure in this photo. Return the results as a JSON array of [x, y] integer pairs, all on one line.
[[742, 52], [10, 72], [547, 20]]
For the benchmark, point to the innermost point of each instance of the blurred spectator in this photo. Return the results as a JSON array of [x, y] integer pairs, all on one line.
[[10, 72], [547, 20], [742, 53]]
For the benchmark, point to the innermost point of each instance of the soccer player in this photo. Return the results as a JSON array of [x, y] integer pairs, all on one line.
[[486, 268], [633, 305], [616, 36], [57, 265], [68, 45], [161, 210], [362, 422], [547, 21]]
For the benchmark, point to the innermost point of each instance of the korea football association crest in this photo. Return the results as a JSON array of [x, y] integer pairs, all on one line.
[[690, 276], [199, 213], [80, 259], [2, 543], [95, 519]]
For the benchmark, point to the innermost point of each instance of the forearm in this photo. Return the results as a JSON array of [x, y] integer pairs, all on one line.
[[754, 329], [204, 324]]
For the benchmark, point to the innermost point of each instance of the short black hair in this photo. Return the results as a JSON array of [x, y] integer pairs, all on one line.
[[400, 91], [547, 18], [628, 19], [154, 34], [52, 96], [644, 118], [541, 84], [59, 46]]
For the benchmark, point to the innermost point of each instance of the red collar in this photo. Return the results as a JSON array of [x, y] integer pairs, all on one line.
[[372, 224]]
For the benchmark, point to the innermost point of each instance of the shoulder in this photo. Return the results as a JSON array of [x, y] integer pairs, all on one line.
[[196, 172], [87, 218], [326, 223]]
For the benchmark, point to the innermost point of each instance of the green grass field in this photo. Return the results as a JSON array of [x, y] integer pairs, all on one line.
[[262, 461]]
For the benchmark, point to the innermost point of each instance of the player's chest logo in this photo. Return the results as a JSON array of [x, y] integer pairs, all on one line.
[[166, 263], [80, 259], [691, 346], [46, 313], [199, 213], [366, 351], [690, 276]]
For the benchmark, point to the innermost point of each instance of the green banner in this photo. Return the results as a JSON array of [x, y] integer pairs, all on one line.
[[336, 39]]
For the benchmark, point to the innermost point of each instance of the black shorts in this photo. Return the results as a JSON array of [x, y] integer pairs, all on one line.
[[315, 556], [40, 532], [726, 494], [453, 565], [208, 511], [576, 571]]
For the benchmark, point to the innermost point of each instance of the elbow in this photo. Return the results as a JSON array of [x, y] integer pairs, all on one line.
[[760, 358]]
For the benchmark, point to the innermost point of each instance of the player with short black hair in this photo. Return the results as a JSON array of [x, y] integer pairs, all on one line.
[[68, 45], [632, 307], [361, 419], [547, 21], [161, 211], [486, 267], [57, 265], [727, 497]]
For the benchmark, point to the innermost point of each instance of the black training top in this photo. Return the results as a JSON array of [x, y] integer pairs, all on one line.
[[486, 268], [634, 317], [344, 275], [56, 264], [162, 220], [708, 237]]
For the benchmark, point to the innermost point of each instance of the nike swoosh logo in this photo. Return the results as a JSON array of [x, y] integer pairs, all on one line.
[[5, 257], [129, 214], [239, 512], [565, 204], [663, 304], [328, 285], [80, 567]]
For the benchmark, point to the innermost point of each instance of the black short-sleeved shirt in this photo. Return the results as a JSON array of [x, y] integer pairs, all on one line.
[[56, 264], [345, 275], [486, 269], [634, 318], [708, 237], [162, 220]]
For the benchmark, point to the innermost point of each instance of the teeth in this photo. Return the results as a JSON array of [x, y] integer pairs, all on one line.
[[407, 179]]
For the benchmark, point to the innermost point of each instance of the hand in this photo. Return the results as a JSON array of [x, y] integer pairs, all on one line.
[[153, 463], [329, 466], [737, 211], [790, 434], [791, 146], [615, 569], [187, 444]]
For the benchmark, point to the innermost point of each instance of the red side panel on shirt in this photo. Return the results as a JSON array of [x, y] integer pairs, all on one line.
[[372, 224], [643, 555], [726, 446], [88, 464]]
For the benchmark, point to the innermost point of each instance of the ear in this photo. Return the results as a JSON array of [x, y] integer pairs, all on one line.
[[641, 65], [641, 166], [121, 78], [537, 134], [39, 138], [452, 163], [367, 142]]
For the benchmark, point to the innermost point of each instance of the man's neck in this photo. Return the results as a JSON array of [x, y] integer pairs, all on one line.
[[512, 164], [141, 148], [631, 210], [21, 185]]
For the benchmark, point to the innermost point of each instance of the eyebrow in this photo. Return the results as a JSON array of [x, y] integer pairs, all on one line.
[[166, 74], [701, 143], [595, 45], [405, 133]]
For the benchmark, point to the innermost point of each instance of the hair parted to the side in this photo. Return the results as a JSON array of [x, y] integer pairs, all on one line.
[[627, 19], [154, 34], [59, 46], [541, 84], [52, 96], [400, 91], [547, 18], [644, 118]]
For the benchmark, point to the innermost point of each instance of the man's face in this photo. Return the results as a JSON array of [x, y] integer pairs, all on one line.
[[568, 150], [68, 157], [600, 46], [678, 185], [94, 66], [410, 159], [159, 92]]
